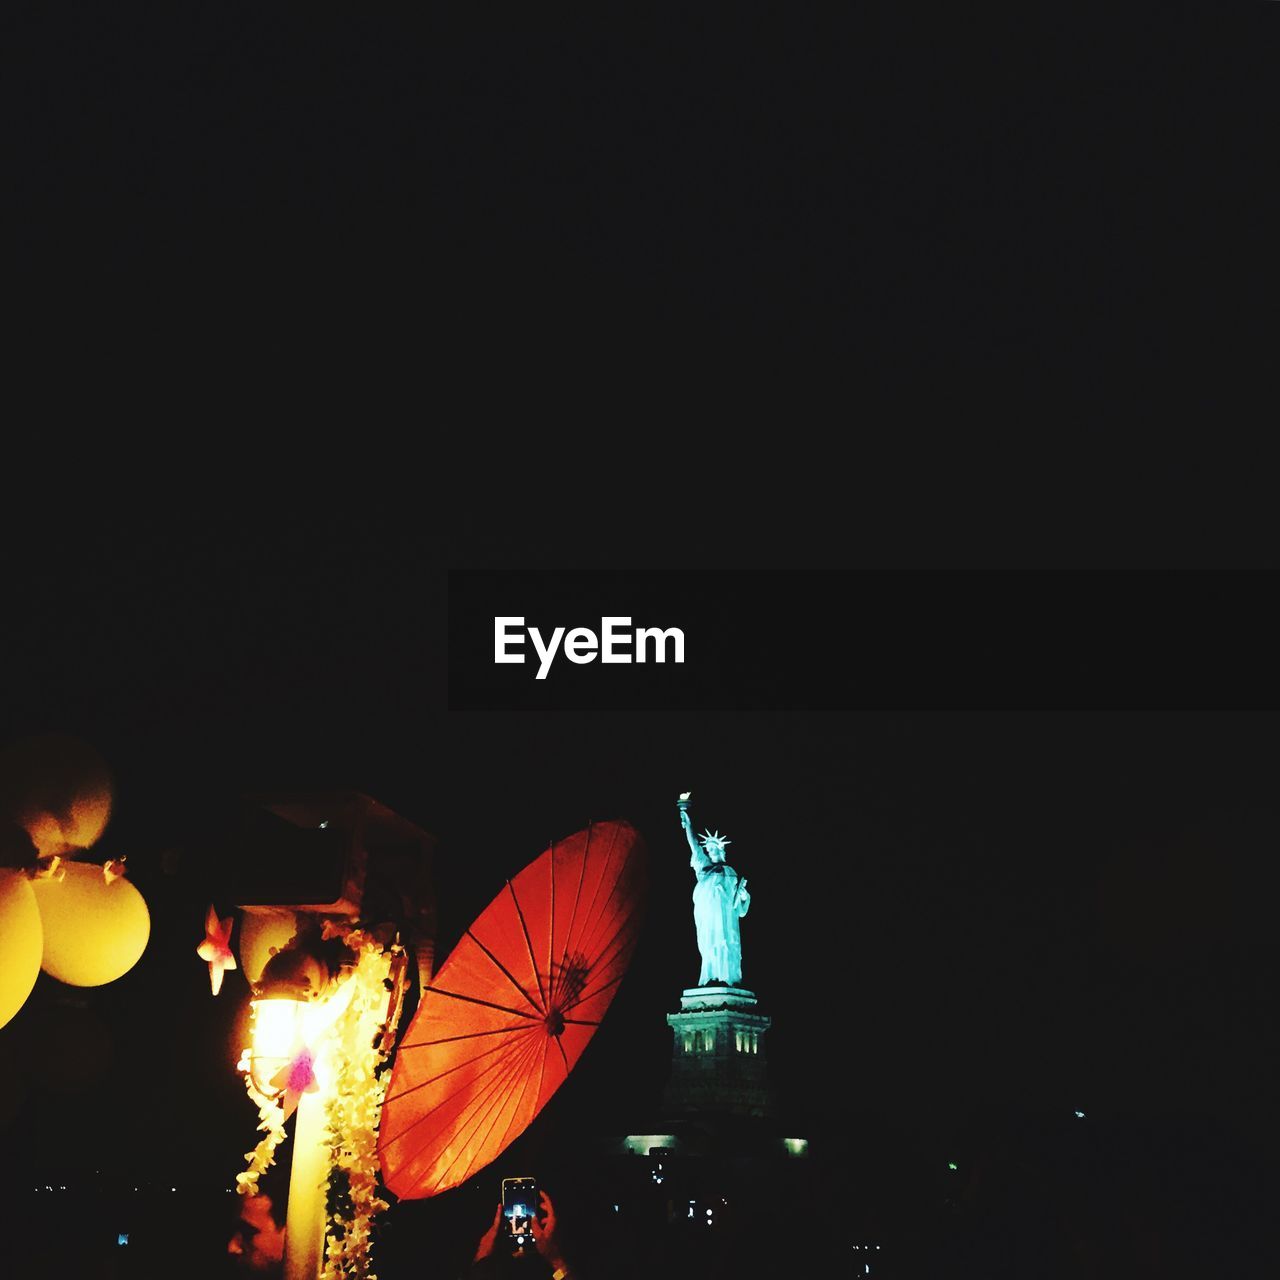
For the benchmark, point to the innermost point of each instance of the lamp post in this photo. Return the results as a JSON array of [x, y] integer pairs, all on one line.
[[356, 878]]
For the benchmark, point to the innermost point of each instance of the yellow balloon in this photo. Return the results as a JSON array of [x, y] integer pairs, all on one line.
[[21, 942], [93, 931], [260, 931]]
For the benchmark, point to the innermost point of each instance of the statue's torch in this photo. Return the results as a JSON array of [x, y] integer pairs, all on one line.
[[683, 803]]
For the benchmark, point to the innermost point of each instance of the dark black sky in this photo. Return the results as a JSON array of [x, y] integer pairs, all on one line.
[[1012, 265]]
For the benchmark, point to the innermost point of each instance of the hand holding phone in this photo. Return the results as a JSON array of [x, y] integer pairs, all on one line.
[[519, 1207]]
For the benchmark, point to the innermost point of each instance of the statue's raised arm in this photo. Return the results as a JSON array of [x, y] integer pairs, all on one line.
[[698, 856]]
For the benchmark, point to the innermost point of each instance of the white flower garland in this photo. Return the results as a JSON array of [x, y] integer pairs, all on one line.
[[362, 1036], [270, 1119], [355, 1050]]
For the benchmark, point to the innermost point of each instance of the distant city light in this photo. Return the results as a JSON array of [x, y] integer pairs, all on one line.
[[122, 1237], [797, 1146], [1079, 1115], [640, 1143], [951, 1164]]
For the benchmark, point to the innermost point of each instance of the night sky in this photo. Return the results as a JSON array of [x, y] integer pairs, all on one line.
[[1012, 264], [917, 280]]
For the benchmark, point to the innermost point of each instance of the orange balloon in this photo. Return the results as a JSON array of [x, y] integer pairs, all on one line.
[[58, 789]]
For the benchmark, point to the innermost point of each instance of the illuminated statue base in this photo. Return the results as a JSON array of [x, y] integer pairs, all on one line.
[[717, 1055]]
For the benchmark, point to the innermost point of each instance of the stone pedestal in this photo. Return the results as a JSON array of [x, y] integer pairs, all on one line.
[[717, 1054]]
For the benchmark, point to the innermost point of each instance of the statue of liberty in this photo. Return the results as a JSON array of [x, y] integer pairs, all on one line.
[[720, 899]]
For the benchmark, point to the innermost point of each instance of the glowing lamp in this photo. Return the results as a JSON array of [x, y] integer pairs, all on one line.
[[277, 1036], [21, 942], [293, 1010], [94, 931]]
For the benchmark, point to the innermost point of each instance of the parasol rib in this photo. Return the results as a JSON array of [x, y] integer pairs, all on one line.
[[478, 1148], [551, 919], [514, 1128], [466, 1062], [542, 1071], [432, 1153], [620, 945], [591, 995], [470, 1035], [492, 1095], [466, 1084], [573, 917], [458, 1066], [504, 1008], [506, 973], [524, 928], [599, 947], [592, 923], [595, 893]]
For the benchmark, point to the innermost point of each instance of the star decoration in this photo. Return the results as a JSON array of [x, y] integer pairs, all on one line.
[[216, 948]]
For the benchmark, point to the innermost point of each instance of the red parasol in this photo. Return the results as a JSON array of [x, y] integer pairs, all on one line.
[[511, 1010]]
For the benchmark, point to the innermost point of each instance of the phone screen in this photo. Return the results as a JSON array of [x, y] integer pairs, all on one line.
[[519, 1204]]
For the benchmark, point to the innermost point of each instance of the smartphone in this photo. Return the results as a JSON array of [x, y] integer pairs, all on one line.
[[519, 1205]]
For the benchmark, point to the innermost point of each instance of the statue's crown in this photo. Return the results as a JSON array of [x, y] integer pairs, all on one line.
[[714, 840]]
